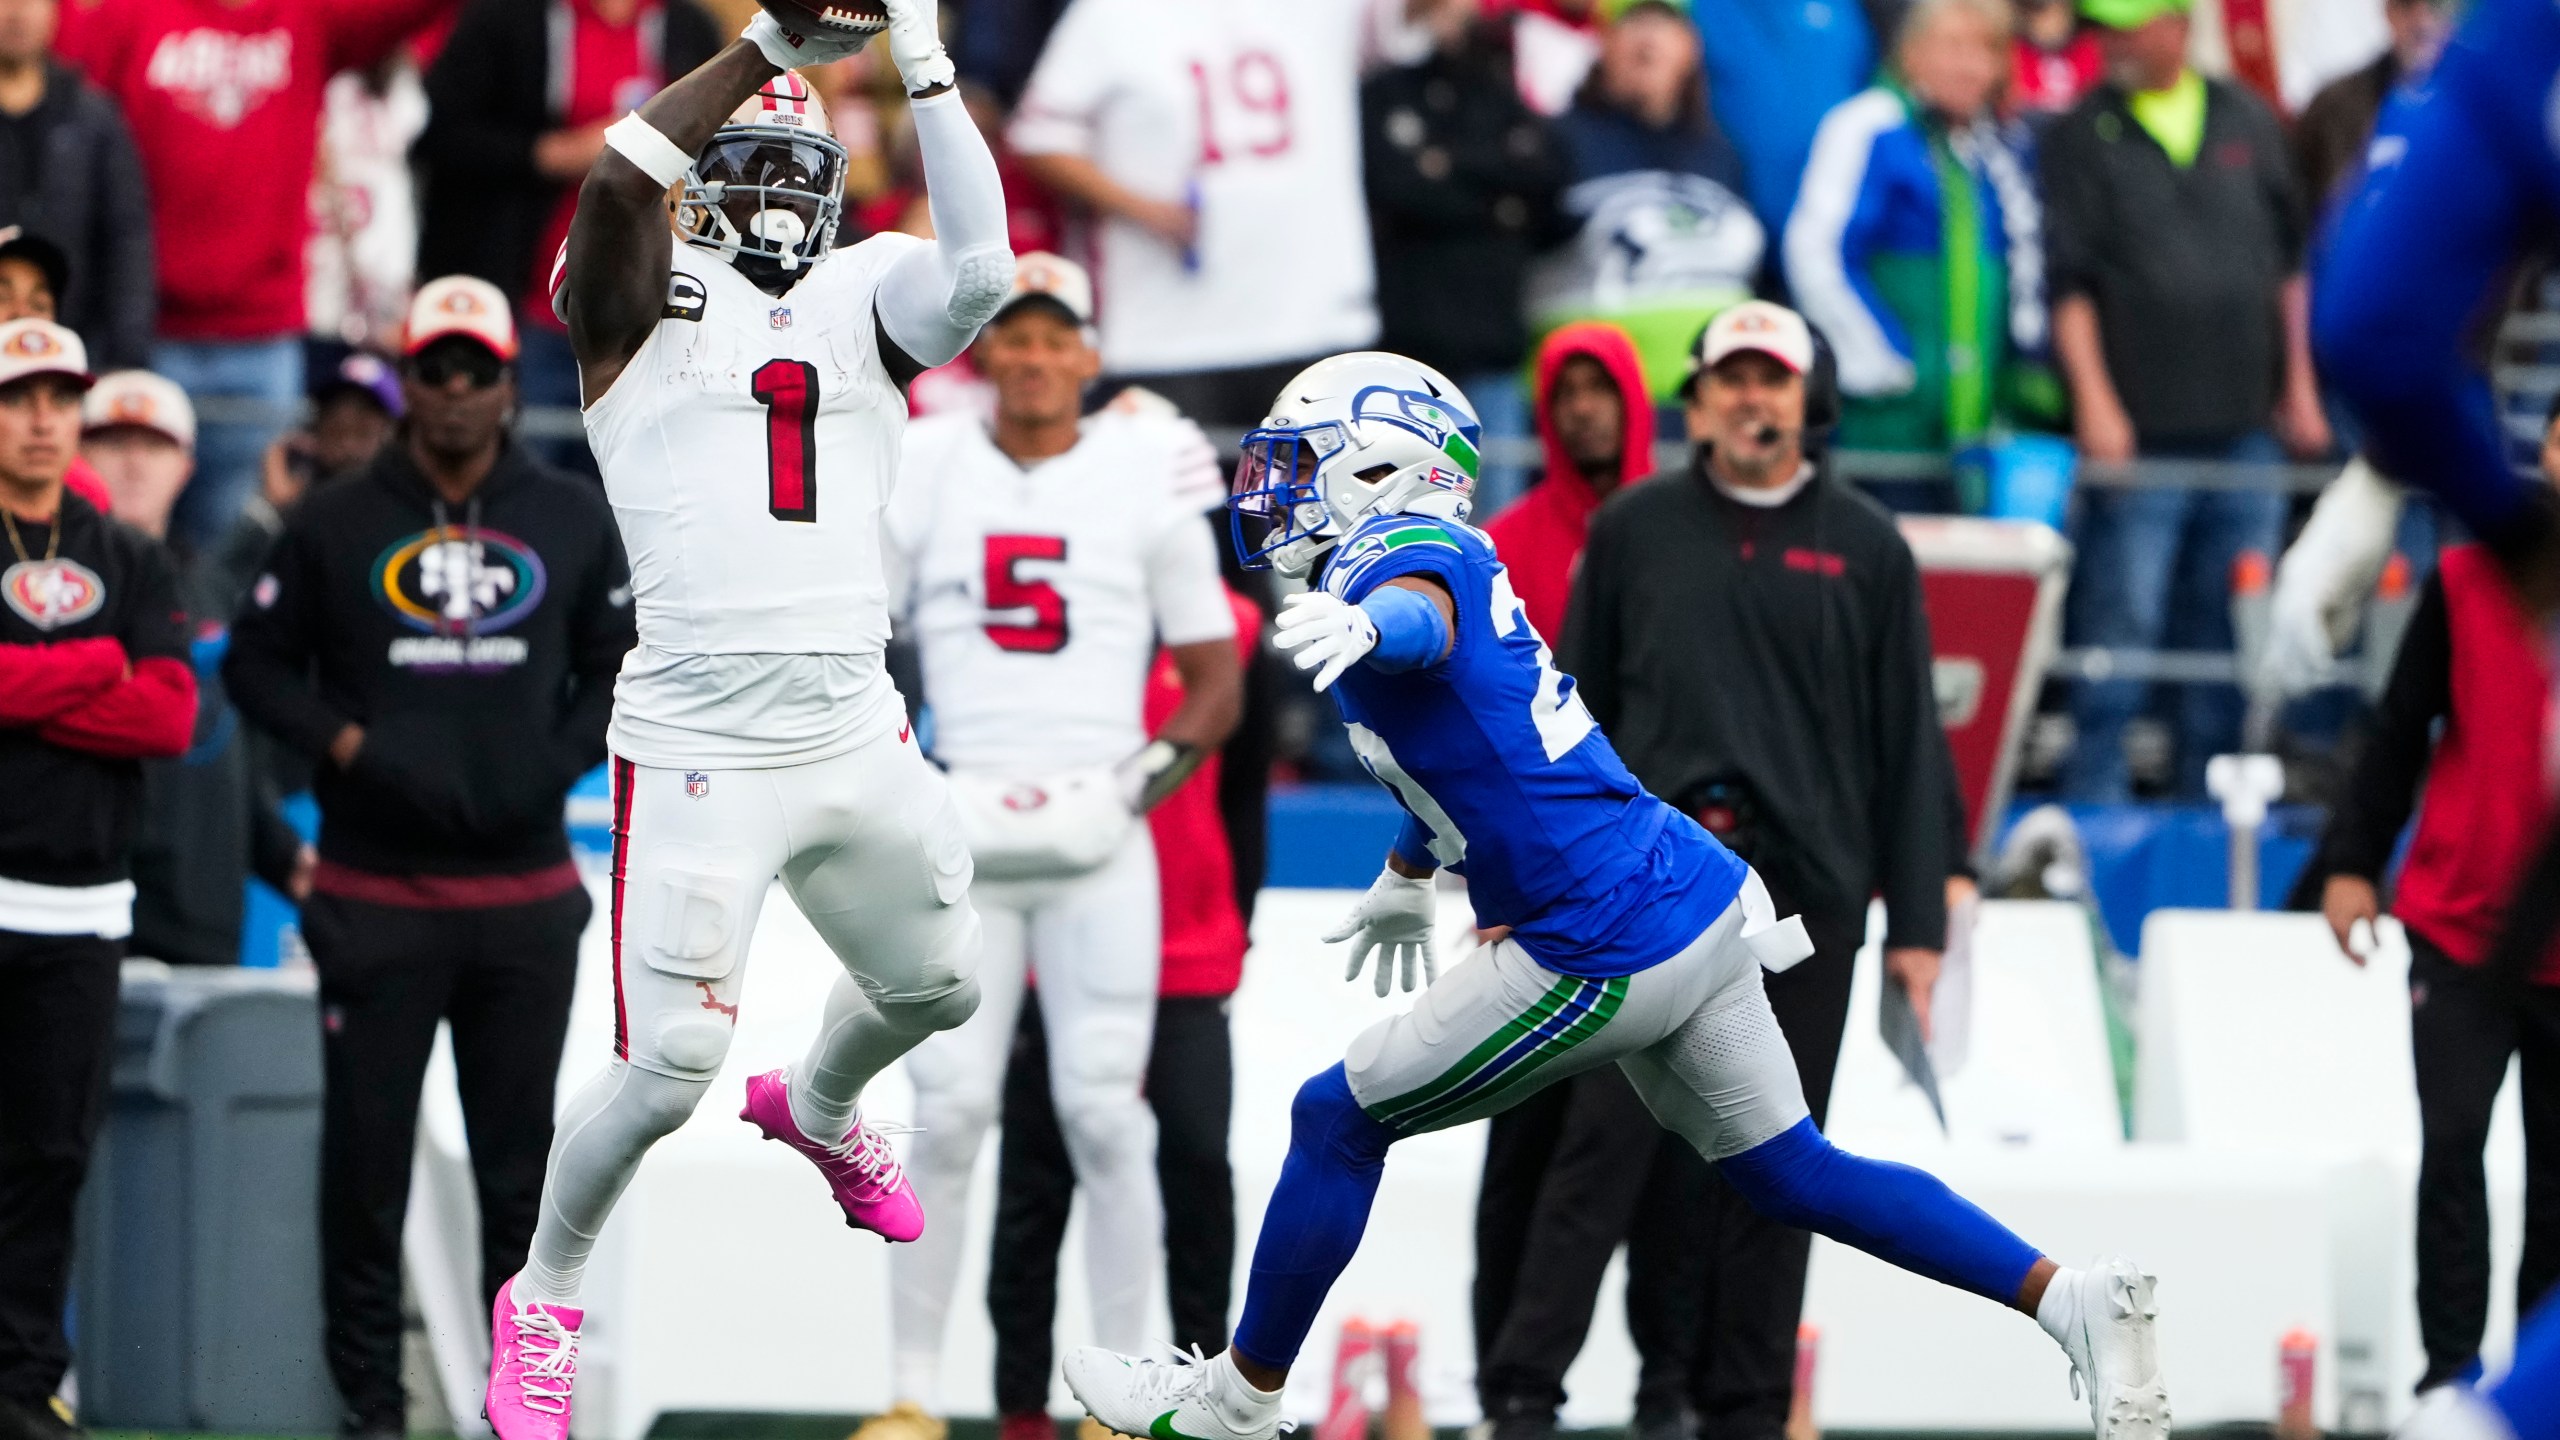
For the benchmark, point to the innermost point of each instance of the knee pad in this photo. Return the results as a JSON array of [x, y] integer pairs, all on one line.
[[658, 1104], [1783, 1178], [950, 1126], [1325, 1115], [687, 1046], [947, 1011], [1106, 1124]]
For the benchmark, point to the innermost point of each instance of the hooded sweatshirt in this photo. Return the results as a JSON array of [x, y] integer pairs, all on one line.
[[476, 643], [1540, 536]]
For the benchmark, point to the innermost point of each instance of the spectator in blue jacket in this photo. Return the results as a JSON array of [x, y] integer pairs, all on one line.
[[1917, 242]]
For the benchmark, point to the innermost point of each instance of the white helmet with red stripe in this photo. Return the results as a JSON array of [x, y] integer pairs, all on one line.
[[769, 188]]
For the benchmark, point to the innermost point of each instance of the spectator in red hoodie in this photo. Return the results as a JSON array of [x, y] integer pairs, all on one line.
[[224, 97], [1596, 422], [1597, 426]]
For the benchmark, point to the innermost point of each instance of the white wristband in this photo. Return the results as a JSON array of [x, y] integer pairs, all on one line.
[[640, 142]]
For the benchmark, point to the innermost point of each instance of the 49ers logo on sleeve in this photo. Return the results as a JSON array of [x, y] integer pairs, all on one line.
[[50, 594]]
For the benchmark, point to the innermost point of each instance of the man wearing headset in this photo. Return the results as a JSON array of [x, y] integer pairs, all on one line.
[[1750, 633]]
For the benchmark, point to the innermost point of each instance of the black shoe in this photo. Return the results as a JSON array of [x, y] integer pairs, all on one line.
[[1666, 1425], [42, 1420], [1521, 1420], [393, 1428]]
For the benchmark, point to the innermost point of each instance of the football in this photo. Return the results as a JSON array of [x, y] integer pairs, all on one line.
[[828, 17]]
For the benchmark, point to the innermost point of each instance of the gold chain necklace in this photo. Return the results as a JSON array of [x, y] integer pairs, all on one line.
[[52, 542]]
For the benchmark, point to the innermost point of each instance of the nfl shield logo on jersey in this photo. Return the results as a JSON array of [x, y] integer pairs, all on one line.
[[779, 316], [696, 784]]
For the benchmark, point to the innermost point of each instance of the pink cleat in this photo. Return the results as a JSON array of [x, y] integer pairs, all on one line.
[[863, 1171], [533, 1367]]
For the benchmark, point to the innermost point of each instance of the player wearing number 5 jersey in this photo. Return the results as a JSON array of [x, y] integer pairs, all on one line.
[[1634, 936], [1050, 553], [743, 399]]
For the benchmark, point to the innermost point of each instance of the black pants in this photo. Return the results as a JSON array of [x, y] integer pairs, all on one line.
[[1191, 1087], [1597, 1159], [502, 977], [1714, 1291], [2463, 1025], [57, 1045]]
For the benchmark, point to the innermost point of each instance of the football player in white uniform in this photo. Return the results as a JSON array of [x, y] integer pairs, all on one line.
[[1047, 554], [743, 399]]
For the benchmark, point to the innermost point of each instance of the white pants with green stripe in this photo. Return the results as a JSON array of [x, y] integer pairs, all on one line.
[[1694, 1034]]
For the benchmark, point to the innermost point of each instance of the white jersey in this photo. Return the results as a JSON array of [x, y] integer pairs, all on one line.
[[748, 450], [1250, 111], [1038, 596]]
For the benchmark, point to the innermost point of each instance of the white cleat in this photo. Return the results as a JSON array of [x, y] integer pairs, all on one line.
[[2115, 1352], [1182, 1397], [2453, 1412]]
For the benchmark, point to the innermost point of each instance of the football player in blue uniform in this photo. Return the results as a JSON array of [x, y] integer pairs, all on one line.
[[1633, 936], [2523, 1404], [2462, 178], [2462, 181]]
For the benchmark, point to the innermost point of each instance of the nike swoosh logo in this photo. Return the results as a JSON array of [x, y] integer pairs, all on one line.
[[905, 729], [1163, 1428]]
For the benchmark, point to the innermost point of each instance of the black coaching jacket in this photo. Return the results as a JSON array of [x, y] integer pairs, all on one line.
[[1775, 662]]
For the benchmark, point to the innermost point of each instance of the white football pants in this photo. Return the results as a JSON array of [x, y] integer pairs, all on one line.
[[869, 847], [1094, 943]]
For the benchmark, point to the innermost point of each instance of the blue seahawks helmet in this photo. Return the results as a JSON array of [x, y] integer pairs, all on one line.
[[1368, 433]]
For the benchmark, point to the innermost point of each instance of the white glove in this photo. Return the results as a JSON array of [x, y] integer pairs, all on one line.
[[2323, 581], [1393, 920], [915, 44], [791, 51], [1329, 634]]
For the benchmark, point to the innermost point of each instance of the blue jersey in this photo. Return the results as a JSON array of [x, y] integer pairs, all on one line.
[[2460, 176], [1509, 780]]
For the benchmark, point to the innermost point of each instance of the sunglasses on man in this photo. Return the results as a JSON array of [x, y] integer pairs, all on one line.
[[436, 365]]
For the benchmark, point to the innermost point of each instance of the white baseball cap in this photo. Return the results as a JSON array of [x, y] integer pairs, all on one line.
[[1055, 278], [461, 305], [1773, 330], [40, 347], [141, 399]]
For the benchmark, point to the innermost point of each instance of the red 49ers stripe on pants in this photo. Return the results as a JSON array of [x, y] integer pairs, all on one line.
[[624, 773]]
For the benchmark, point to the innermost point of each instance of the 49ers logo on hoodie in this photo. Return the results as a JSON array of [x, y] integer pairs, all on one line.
[[460, 587], [221, 75], [50, 594]]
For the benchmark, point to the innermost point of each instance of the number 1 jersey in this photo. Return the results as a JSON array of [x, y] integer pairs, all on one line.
[[1504, 770], [749, 449]]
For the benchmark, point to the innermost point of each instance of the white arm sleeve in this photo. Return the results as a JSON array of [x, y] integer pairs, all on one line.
[[936, 296], [1183, 588]]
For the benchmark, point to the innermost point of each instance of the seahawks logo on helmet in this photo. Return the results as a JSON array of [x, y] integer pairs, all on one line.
[[1454, 434]]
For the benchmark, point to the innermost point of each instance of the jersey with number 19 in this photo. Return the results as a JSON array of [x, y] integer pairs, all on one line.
[[749, 448], [1500, 764]]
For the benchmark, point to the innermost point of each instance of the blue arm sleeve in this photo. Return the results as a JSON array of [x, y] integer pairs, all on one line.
[[1411, 632], [1413, 844], [2417, 256]]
